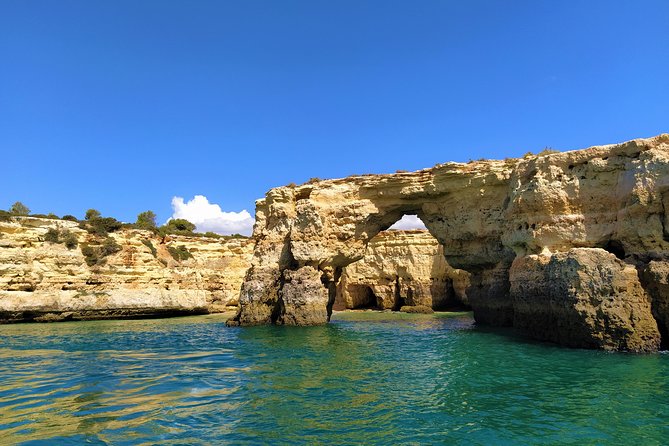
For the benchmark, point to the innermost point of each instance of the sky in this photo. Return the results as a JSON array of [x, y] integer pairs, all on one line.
[[198, 108]]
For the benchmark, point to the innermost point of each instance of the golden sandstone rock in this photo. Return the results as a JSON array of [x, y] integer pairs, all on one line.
[[401, 269], [47, 281], [488, 215]]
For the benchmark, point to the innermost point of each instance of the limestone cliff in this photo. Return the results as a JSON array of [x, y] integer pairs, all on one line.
[[485, 214], [401, 269], [40, 280], [585, 297]]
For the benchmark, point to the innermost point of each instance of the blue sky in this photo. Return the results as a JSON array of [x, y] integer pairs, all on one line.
[[123, 105]]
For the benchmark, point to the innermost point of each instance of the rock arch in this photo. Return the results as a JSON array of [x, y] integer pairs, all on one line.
[[488, 215]]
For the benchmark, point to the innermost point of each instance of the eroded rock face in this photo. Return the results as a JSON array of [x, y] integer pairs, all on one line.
[[484, 214], [401, 269], [47, 281], [655, 276], [304, 300], [584, 297]]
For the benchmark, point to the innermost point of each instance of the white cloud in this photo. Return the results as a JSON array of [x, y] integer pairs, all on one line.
[[408, 222], [209, 217]]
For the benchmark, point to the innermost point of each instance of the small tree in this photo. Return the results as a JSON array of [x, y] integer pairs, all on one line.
[[92, 214], [19, 208], [146, 220]]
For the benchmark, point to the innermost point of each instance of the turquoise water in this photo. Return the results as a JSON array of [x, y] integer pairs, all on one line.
[[365, 378]]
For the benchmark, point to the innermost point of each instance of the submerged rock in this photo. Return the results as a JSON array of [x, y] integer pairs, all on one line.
[[420, 309]]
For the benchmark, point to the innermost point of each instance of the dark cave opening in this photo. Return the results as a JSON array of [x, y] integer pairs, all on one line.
[[616, 248]]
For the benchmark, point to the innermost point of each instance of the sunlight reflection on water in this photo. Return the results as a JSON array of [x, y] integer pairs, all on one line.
[[376, 378]]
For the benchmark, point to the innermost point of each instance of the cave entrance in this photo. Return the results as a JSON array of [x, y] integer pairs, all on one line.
[[365, 299]]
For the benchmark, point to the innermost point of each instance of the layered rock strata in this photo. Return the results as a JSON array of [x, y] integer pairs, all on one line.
[[44, 281], [486, 215], [401, 270]]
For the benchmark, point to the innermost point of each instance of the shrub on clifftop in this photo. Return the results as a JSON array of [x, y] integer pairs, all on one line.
[[146, 220], [19, 208], [92, 214], [180, 224], [101, 225], [177, 226]]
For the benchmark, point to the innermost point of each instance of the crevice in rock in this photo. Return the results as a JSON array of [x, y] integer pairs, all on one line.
[[664, 335], [663, 217], [331, 285], [286, 259], [279, 306], [286, 262], [399, 300]]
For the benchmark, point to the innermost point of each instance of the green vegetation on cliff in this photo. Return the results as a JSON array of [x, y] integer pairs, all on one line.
[[63, 236], [179, 253], [100, 226]]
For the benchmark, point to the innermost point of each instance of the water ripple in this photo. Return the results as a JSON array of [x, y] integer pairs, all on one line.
[[370, 378]]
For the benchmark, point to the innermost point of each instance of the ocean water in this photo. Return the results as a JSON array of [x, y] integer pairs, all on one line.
[[364, 378]]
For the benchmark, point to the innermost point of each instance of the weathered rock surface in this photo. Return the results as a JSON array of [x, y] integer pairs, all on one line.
[[584, 297], [655, 277], [401, 269], [46, 281], [485, 214], [304, 300]]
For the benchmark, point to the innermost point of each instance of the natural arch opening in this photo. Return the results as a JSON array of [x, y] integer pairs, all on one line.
[[408, 222], [403, 269]]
